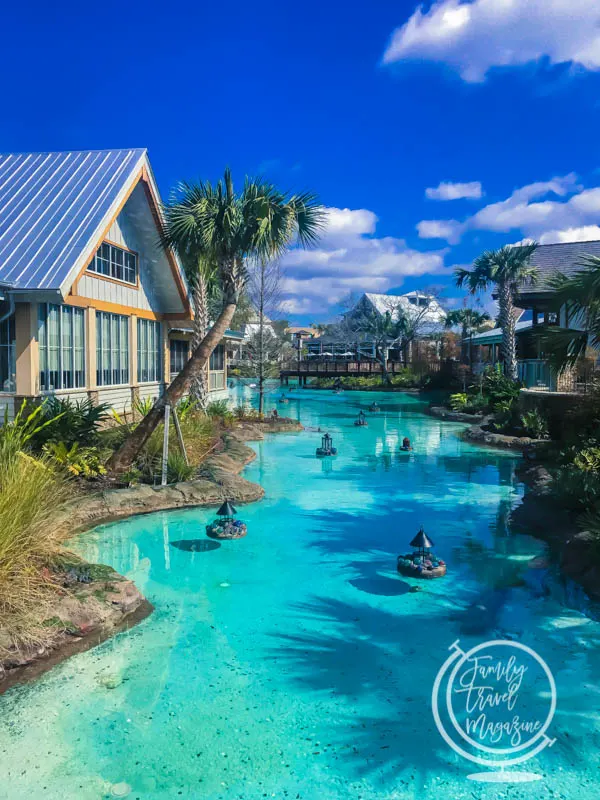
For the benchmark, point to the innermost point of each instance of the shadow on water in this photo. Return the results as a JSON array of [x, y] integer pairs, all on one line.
[[195, 545]]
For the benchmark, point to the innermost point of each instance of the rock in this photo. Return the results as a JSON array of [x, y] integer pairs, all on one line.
[[476, 433], [454, 416], [414, 589]]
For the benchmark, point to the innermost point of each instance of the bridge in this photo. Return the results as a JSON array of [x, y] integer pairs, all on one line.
[[337, 369]]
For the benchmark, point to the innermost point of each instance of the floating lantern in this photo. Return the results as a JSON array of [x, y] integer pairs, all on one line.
[[226, 527], [361, 420], [327, 448], [421, 563]]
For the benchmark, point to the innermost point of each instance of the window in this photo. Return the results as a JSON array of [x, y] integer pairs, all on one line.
[[217, 359], [148, 350], [179, 354], [61, 339], [112, 349], [7, 355], [115, 262]]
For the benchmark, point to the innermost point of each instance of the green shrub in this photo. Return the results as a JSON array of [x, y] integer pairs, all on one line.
[[498, 388], [80, 462], [535, 424], [69, 421], [219, 409], [458, 401], [588, 460], [177, 468], [186, 406], [20, 433], [142, 406]]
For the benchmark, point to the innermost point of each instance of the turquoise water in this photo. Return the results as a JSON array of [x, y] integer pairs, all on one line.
[[295, 662]]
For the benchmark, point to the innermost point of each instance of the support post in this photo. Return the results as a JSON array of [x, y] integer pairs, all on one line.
[[165, 456], [180, 435]]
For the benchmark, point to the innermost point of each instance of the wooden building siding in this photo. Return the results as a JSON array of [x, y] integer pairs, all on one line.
[[7, 404], [122, 233]]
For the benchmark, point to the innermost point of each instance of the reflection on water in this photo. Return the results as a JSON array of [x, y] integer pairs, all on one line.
[[296, 662]]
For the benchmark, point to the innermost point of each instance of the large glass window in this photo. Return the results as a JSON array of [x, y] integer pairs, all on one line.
[[179, 354], [61, 338], [148, 350], [115, 262], [8, 367], [217, 359], [112, 349]]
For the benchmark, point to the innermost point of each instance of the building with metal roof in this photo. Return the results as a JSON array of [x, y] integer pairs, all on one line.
[[90, 304]]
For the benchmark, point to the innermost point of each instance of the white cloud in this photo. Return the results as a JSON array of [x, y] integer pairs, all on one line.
[[448, 229], [350, 258], [472, 37], [556, 210], [586, 233], [455, 191], [518, 212]]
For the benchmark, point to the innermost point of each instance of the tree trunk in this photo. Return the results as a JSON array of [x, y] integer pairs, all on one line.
[[381, 353], [199, 386], [132, 446], [464, 345], [507, 323], [261, 344]]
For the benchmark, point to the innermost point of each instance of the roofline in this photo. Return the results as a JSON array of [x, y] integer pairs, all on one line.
[[61, 152], [142, 171]]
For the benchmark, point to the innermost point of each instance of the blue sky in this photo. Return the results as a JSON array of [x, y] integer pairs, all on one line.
[[370, 105]]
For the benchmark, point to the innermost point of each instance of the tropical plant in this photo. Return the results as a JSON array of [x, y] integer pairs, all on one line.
[[199, 266], [142, 406], [71, 421], [507, 270], [535, 424], [21, 432], [178, 468], [498, 388], [458, 401], [80, 462], [470, 321], [588, 460], [227, 229], [186, 406], [504, 415]]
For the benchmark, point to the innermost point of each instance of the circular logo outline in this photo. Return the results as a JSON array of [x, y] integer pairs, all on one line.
[[502, 763]]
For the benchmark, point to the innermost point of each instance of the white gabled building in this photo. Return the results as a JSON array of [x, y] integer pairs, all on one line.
[[90, 304]]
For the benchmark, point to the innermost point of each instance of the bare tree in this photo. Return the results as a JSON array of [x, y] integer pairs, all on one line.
[[264, 291]]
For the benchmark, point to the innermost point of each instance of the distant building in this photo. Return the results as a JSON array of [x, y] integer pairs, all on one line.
[[346, 343], [539, 298]]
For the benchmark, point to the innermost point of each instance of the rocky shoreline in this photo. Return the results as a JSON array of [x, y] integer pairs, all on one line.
[[93, 602], [539, 513]]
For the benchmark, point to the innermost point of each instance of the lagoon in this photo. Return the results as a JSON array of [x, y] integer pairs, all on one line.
[[296, 662]]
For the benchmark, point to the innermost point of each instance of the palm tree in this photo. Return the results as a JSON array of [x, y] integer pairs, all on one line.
[[186, 241], [226, 228], [580, 293], [469, 321], [507, 269]]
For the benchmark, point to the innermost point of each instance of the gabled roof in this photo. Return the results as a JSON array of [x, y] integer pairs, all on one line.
[[53, 208], [382, 303], [495, 335], [564, 257]]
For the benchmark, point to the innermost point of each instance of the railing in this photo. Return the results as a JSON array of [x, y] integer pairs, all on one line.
[[344, 367], [537, 374], [534, 373]]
